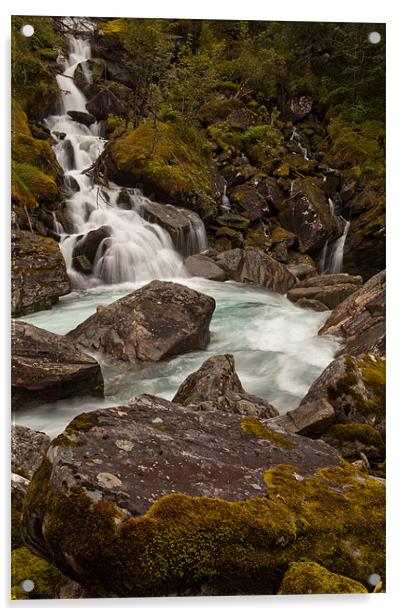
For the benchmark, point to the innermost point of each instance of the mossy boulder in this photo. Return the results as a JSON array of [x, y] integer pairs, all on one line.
[[38, 273], [168, 161], [309, 578], [155, 498], [26, 566], [355, 387]]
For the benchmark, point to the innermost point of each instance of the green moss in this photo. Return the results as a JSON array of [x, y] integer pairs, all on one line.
[[217, 109], [16, 513], [37, 153], [252, 425], [29, 186], [335, 518], [169, 159], [371, 371], [306, 578], [226, 137], [27, 566], [263, 144], [82, 423], [363, 433], [19, 120]]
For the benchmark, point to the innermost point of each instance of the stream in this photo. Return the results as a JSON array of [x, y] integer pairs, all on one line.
[[277, 351]]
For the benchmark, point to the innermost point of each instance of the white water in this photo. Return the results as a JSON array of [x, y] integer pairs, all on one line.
[[137, 249], [277, 350]]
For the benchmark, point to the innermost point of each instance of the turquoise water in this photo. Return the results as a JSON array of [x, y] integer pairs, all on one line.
[[277, 351]]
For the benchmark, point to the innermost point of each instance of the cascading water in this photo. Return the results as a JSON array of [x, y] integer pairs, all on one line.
[[136, 249], [331, 260], [277, 351]]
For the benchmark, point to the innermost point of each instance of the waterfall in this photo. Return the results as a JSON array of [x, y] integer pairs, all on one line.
[[225, 199], [137, 249], [331, 262]]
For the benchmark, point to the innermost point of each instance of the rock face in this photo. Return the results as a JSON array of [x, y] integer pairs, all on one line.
[[111, 98], [216, 385], [46, 366], [204, 267], [38, 273], [330, 289], [160, 320], [360, 319], [355, 388], [251, 202], [155, 498], [306, 213], [365, 243], [253, 266], [27, 450]]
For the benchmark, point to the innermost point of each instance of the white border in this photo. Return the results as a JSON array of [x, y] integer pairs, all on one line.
[[388, 11]]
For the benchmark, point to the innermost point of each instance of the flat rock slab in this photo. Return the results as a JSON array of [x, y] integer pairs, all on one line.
[[331, 295], [310, 419], [160, 320], [38, 273], [204, 267], [46, 367], [133, 455], [360, 319]]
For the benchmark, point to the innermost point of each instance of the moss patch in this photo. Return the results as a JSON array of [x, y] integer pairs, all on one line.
[[252, 425], [306, 578], [357, 432], [27, 566], [335, 518], [29, 186]]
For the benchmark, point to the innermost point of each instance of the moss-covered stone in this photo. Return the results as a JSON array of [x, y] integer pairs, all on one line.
[[363, 433], [37, 153], [169, 160], [29, 186], [306, 578], [252, 425], [335, 518], [27, 566]]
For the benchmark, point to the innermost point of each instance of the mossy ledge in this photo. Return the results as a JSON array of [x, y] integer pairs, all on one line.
[[308, 578], [334, 518], [252, 425]]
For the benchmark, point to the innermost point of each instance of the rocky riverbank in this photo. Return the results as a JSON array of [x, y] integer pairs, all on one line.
[[214, 492]]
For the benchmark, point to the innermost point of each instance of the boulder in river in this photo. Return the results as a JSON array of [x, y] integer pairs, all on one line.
[[160, 320], [216, 385], [46, 367], [82, 117], [38, 273], [253, 266], [360, 319], [154, 498], [87, 246], [306, 213], [204, 267]]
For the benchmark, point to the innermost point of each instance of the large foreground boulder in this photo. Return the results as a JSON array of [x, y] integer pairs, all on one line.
[[306, 213], [216, 385], [160, 320], [38, 273], [360, 319], [46, 367], [329, 289], [154, 498], [253, 266]]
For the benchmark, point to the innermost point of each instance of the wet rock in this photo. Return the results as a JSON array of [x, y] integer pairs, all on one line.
[[251, 202], [355, 388], [38, 273], [27, 450], [360, 319], [46, 367], [111, 98], [234, 221], [309, 578], [181, 224], [364, 252], [309, 419], [160, 320], [238, 174], [88, 246], [216, 385], [306, 213], [312, 304], [271, 191], [204, 267], [96, 68], [81, 264], [82, 118], [359, 443], [195, 488], [253, 266]]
